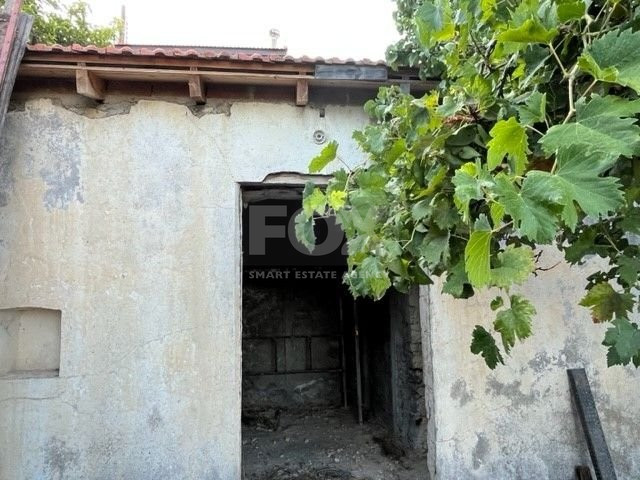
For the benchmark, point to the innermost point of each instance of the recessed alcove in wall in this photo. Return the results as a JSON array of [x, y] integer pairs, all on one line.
[[29, 342]]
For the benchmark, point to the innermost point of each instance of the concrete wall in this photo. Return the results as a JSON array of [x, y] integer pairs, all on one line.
[[127, 220], [518, 421]]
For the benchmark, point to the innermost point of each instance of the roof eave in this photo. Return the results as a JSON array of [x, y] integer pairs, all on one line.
[[93, 68]]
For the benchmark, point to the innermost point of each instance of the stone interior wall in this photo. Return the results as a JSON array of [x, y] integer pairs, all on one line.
[[408, 385], [307, 313]]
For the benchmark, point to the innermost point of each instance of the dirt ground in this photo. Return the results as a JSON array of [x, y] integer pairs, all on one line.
[[323, 445]]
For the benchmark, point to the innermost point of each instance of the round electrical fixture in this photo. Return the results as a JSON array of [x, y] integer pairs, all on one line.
[[319, 137]]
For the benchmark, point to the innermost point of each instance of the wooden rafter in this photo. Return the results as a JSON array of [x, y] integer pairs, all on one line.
[[302, 92], [197, 88], [88, 84]]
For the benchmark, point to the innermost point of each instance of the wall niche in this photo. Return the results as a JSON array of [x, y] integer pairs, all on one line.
[[29, 342]]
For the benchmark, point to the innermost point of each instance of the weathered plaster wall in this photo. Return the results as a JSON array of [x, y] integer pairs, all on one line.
[[129, 224], [518, 421]]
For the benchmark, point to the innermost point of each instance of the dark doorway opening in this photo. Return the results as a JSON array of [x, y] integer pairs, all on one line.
[[331, 387]]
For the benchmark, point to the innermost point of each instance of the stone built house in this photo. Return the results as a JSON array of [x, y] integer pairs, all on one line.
[[126, 175]]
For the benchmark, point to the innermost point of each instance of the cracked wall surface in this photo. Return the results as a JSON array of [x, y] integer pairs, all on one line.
[[518, 421], [127, 221]]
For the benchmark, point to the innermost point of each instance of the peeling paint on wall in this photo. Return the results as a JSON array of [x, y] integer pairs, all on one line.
[[129, 223]]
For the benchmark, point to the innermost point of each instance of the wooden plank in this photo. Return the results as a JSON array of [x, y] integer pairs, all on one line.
[[598, 450], [23, 29], [197, 88], [12, 9], [356, 339], [583, 473], [209, 76], [164, 62], [88, 84], [302, 92]]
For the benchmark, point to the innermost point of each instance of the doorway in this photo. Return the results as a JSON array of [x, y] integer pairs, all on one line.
[[331, 387]]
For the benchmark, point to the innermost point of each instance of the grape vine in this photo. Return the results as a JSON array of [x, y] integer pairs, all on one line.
[[530, 139]]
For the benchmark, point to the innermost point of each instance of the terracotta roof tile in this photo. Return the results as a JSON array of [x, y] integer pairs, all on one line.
[[208, 53]]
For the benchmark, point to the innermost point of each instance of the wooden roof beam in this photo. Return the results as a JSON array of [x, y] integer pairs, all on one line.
[[88, 84], [197, 88], [302, 92]]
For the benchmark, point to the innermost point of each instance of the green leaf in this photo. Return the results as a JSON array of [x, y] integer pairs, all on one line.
[[435, 247], [467, 187], [364, 209], [614, 57], [531, 216], [623, 340], [609, 105], [587, 64], [337, 199], [314, 202], [434, 22], [374, 276], [304, 231], [456, 281], [577, 180], [515, 322], [477, 256], [534, 109], [496, 212], [605, 302], [531, 31], [497, 303], [514, 266], [600, 129], [326, 156], [629, 267], [508, 137], [484, 344], [570, 10]]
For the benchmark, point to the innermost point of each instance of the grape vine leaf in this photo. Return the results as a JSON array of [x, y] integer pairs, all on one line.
[[324, 158], [477, 254], [604, 129], [577, 180], [623, 340], [605, 302], [497, 303], [336, 199], [373, 274], [514, 322], [456, 281], [508, 137], [514, 265], [434, 22], [470, 180], [435, 246], [531, 31], [629, 267], [570, 9], [614, 57], [304, 231], [316, 201], [534, 109], [484, 344], [530, 215]]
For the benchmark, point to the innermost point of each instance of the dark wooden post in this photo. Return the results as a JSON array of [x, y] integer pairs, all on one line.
[[600, 457]]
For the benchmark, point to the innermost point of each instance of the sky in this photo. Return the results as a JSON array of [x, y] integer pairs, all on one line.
[[328, 28]]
